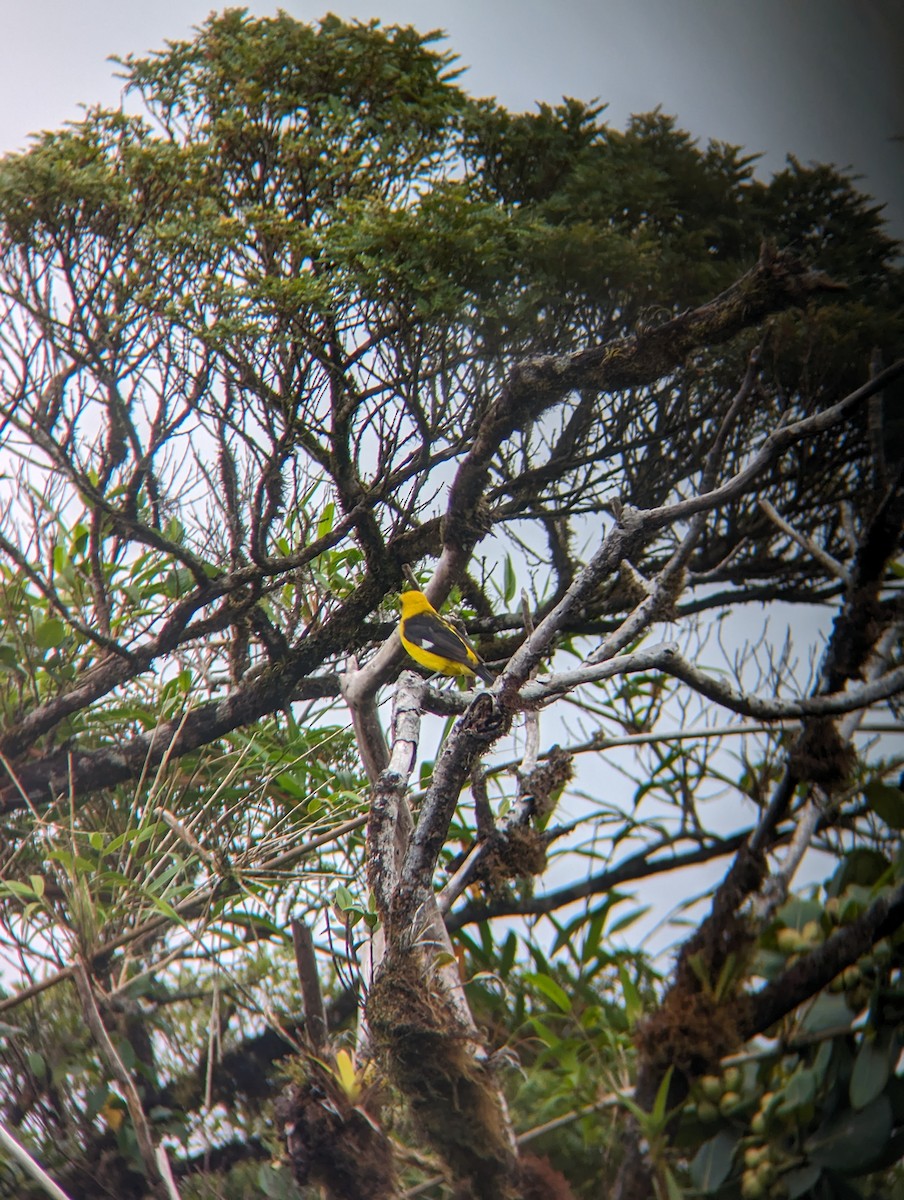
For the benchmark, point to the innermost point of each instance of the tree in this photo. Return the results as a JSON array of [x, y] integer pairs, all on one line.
[[316, 320]]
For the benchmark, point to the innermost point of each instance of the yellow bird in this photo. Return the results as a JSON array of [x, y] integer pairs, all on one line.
[[434, 642]]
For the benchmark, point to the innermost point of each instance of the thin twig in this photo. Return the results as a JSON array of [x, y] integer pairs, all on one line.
[[20, 1155], [832, 565], [166, 1173], [143, 1136]]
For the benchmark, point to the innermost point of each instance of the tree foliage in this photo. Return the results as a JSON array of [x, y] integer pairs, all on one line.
[[304, 321]]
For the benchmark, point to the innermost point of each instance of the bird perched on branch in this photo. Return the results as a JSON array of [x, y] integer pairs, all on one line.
[[434, 642]]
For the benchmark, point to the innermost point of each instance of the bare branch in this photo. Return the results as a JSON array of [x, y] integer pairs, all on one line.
[[115, 1065], [306, 966], [20, 1155], [386, 839], [832, 565]]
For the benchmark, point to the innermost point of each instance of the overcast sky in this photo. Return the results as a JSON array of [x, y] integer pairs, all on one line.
[[822, 79]]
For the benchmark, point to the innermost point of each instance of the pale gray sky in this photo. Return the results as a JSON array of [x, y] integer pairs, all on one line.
[[823, 79]]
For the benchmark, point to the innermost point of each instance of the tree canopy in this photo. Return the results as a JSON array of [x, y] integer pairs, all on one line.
[[304, 324]]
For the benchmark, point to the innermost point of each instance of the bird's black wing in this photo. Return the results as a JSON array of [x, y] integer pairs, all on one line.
[[432, 634]]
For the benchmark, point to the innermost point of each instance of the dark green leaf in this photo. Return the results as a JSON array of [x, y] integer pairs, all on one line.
[[327, 518], [633, 1002], [551, 990], [872, 1067], [510, 580], [827, 1012], [711, 1164], [851, 1141], [801, 1181], [863, 866], [798, 1092], [50, 633], [9, 657], [36, 1063], [797, 912], [887, 802], [628, 920]]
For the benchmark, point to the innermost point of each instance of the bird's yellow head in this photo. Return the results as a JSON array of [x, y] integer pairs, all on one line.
[[413, 602]]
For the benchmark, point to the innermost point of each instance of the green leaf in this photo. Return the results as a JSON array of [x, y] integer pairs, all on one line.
[[797, 912], [826, 1012], [507, 955], [544, 1033], [886, 802], [50, 633], [801, 1181], [633, 1003], [863, 866], [178, 582], [36, 1063], [95, 1099], [327, 517], [174, 531], [136, 836], [590, 946], [711, 1164], [851, 1141], [258, 923], [551, 990], [510, 583], [167, 909], [15, 887], [674, 1191], [659, 1110], [126, 1052], [823, 1060], [798, 1092], [9, 657], [275, 1182], [578, 923], [628, 919], [872, 1068]]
